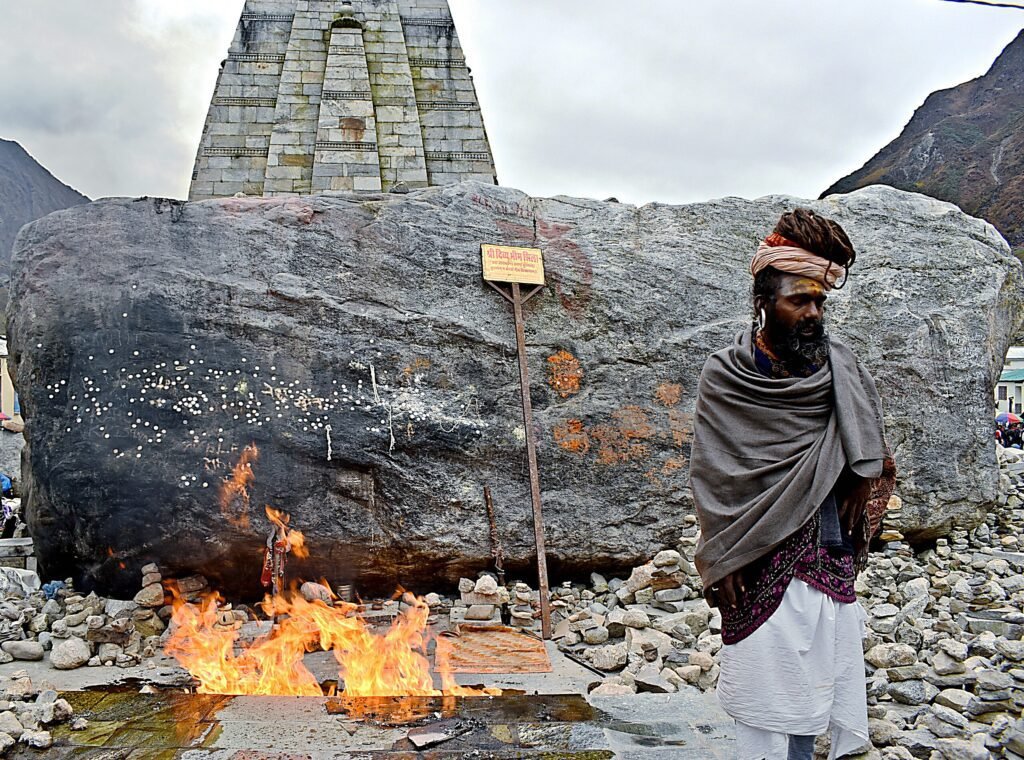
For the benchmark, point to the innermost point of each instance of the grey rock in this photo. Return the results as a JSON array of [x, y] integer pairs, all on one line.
[[669, 595], [1011, 650], [913, 609], [891, 655], [907, 672], [945, 665], [978, 707], [957, 650], [634, 618], [962, 749], [649, 678], [150, 596], [939, 727], [304, 285], [882, 732], [639, 639], [76, 619], [948, 715], [37, 739], [884, 610], [486, 585], [69, 654], [608, 658], [666, 558], [118, 608], [920, 742], [993, 680], [596, 635], [912, 692], [313, 592], [613, 622], [915, 588], [480, 612], [39, 623], [9, 724], [23, 650]]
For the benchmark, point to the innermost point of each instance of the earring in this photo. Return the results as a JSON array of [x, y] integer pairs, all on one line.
[[761, 320]]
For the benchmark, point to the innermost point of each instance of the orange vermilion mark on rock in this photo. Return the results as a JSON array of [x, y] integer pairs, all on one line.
[[564, 373], [668, 393], [673, 464], [670, 467], [417, 365], [622, 440], [572, 436], [681, 425]]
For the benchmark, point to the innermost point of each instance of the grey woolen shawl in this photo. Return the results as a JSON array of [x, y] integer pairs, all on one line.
[[767, 452]]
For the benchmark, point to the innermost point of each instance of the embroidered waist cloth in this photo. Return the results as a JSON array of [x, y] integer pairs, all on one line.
[[830, 569]]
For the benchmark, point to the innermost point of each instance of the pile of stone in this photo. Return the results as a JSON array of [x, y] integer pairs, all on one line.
[[78, 630], [26, 712], [650, 632], [480, 601], [944, 650]]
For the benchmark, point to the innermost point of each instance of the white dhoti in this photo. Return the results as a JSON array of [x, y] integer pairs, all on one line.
[[801, 672]]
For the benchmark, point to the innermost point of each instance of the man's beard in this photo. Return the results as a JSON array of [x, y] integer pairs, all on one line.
[[801, 346]]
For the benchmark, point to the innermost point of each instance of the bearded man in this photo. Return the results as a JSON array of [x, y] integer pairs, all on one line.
[[789, 465]]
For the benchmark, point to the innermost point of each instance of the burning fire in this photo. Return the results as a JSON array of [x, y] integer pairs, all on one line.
[[234, 491], [205, 641], [370, 664]]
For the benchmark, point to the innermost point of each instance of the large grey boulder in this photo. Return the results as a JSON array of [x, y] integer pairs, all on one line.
[[353, 341]]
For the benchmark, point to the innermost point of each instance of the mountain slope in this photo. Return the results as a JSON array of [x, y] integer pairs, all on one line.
[[27, 191], [964, 145]]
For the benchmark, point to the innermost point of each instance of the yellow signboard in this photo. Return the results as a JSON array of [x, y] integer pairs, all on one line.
[[505, 263]]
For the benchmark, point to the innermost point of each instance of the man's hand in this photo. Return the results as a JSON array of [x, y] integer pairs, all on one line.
[[727, 591], [852, 508]]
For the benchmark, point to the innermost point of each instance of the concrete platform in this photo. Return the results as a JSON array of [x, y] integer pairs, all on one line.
[[125, 726], [542, 715]]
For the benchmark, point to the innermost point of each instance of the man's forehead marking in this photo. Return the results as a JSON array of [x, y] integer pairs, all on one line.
[[802, 285]]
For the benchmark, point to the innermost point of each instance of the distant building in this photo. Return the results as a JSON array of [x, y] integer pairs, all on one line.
[[1010, 388], [325, 95]]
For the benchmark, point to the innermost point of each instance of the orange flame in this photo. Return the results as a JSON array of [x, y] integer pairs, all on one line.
[[234, 491], [205, 640], [296, 541], [394, 663], [113, 555]]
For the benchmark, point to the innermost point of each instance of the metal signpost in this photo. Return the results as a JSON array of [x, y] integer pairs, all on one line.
[[514, 266]]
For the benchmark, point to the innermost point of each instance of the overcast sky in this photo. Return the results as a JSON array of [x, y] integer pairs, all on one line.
[[667, 100]]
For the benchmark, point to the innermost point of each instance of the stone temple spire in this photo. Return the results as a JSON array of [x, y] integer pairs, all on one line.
[[325, 95]]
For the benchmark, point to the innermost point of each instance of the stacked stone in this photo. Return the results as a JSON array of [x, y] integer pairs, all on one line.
[[650, 632], [438, 604], [26, 711], [523, 608], [480, 601]]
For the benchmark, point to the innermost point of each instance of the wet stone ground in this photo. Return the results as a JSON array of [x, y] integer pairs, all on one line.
[[131, 726]]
